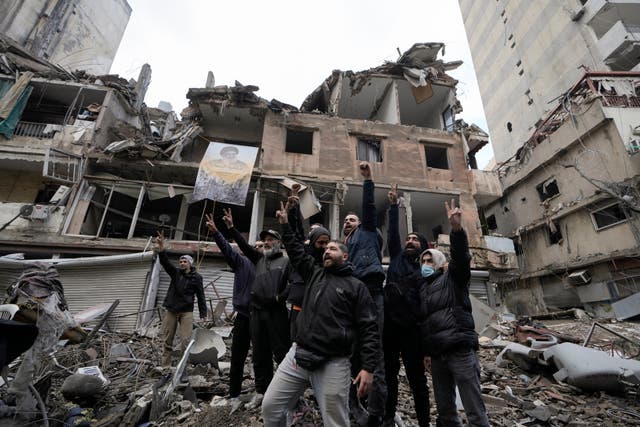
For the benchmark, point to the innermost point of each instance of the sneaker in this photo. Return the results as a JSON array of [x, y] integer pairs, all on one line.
[[256, 401]]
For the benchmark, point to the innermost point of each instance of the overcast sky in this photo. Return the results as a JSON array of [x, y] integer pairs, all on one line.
[[286, 48]]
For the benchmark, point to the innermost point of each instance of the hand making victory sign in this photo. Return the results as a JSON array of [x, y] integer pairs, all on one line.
[[454, 214]]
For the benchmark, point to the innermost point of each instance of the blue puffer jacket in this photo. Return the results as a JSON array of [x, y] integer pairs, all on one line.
[[365, 243]]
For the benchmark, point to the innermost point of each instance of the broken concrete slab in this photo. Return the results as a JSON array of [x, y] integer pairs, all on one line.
[[208, 347], [590, 369], [627, 307]]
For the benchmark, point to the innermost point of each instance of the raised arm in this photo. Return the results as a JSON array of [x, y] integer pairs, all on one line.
[[301, 261], [393, 230], [162, 255], [295, 214], [249, 251], [460, 264], [369, 212], [232, 256]]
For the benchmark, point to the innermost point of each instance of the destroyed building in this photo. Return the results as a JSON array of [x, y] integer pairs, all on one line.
[[76, 35], [527, 53], [89, 170], [571, 200]]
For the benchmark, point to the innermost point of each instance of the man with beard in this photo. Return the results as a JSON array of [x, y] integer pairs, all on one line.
[[401, 335], [269, 314], [364, 245], [336, 309], [185, 284], [448, 330], [244, 273]]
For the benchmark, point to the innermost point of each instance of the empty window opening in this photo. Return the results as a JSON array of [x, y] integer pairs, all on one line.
[[299, 141], [369, 150], [609, 216], [509, 127], [554, 234], [436, 157], [492, 224], [548, 189]]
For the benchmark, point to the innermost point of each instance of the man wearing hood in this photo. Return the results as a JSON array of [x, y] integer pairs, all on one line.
[[401, 334], [448, 330], [269, 314], [185, 284], [364, 244], [337, 308], [315, 244]]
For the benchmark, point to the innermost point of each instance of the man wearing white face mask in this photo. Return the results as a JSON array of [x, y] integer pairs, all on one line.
[[448, 330]]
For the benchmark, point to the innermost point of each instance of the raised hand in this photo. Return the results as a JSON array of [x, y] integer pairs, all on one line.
[[210, 224], [365, 170], [228, 218], [393, 194], [293, 199], [160, 240], [454, 214], [283, 218]]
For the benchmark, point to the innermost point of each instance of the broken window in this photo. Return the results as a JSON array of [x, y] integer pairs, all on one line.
[[609, 216], [492, 224], [447, 119], [62, 166], [436, 157], [369, 150], [299, 141], [553, 232], [548, 189]]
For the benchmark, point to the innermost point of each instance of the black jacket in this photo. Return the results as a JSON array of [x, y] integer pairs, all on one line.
[[446, 308], [402, 289], [269, 288], [182, 289], [337, 307]]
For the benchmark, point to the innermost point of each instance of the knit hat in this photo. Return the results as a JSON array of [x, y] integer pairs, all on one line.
[[189, 258], [439, 260], [424, 243], [316, 233]]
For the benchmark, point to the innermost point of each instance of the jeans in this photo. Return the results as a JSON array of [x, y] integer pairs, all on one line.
[[270, 340], [169, 325], [330, 384], [378, 394], [239, 349], [405, 342], [462, 369]]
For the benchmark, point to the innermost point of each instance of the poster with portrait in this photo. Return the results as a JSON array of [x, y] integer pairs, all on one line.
[[225, 173]]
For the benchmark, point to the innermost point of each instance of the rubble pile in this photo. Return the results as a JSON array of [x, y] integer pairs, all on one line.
[[115, 379]]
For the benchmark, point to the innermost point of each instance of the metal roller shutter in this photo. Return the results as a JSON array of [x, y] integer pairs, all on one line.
[[91, 281]]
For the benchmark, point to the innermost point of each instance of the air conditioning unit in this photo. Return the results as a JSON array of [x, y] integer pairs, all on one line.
[[581, 277]]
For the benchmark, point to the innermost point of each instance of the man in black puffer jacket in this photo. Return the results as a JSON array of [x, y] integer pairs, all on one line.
[[337, 308], [448, 330], [401, 335], [269, 315]]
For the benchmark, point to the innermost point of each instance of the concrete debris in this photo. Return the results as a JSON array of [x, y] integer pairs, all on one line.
[[137, 392], [82, 389], [208, 347]]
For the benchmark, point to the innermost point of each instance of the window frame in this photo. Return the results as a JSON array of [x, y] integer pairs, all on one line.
[[369, 139], [540, 186], [427, 146], [606, 206]]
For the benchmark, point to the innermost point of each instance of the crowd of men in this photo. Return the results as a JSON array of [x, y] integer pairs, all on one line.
[[348, 324]]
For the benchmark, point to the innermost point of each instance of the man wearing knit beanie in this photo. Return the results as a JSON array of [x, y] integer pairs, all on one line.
[[185, 284]]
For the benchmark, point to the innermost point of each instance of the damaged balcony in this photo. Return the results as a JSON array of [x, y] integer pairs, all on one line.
[[620, 46], [413, 91]]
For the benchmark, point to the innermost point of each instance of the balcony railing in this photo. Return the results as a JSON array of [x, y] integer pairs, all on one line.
[[35, 130]]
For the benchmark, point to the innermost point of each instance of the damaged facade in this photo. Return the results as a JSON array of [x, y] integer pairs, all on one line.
[[571, 200], [88, 169]]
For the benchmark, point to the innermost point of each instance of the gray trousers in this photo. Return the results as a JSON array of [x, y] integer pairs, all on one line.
[[459, 368], [330, 385]]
